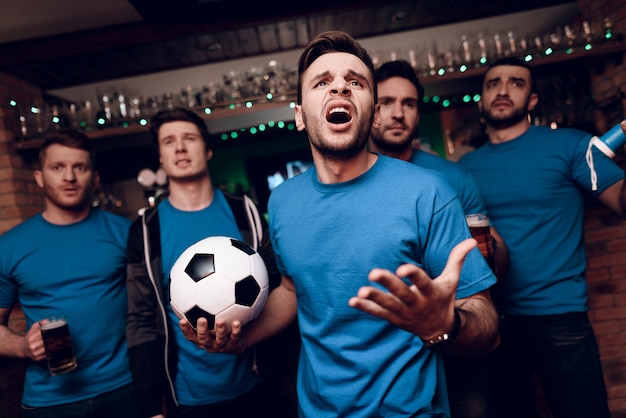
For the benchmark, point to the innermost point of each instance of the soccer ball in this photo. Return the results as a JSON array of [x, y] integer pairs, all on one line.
[[218, 277]]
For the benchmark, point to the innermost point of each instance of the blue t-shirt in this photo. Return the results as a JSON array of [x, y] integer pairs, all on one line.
[[462, 182], [534, 187], [327, 237], [79, 270], [202, 378]]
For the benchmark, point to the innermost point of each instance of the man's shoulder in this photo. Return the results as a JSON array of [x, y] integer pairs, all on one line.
[[565, 133], [113, 218], [24, 228], [450, 170], [432, 161]]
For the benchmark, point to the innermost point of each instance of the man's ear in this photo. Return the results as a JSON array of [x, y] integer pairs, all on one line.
[[299, 119], [38, 178], [376, 120], [533, 99]]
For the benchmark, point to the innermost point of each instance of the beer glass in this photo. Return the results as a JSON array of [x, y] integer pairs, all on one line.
[[478, 224], [58, 345]]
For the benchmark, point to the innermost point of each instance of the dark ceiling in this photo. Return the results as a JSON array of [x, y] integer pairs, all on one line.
[[180, 33]]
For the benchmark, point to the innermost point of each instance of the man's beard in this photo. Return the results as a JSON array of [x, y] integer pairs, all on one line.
[[390, 146], [340, 154], [513, 119], [344, 152], [83, 203]]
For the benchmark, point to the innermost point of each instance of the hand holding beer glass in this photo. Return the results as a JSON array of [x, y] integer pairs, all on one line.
[[478, 224], [58, 344]]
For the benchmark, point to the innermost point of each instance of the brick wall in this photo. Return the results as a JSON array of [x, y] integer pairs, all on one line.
[[605, 233], [606, 274], [20, 199], [19, 195]]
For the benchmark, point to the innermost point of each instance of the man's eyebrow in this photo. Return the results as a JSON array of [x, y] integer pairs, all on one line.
[[357, 74], [320, 75], [399, 98]]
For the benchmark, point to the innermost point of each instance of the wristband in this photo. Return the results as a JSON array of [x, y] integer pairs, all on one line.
[[448, 337]]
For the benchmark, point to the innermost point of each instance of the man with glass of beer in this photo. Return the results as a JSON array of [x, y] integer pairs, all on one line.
[[535, 181], [70, 260]]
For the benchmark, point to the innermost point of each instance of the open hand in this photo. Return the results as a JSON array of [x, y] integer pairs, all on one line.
[[218, 341], [426, 308]]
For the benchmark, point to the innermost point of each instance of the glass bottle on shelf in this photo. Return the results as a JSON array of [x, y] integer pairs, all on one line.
[[72, 115], [87, 115]]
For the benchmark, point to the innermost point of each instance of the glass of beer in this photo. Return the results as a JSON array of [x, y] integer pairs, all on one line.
[[58, 344], [478, 224]]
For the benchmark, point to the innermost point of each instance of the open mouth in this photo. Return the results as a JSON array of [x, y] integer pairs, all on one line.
[[338, 115]]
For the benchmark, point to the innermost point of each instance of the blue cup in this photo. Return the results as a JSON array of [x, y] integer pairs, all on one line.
[[611, 141]]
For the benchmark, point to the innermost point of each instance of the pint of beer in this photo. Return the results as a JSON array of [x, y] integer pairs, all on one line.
[[478, 224], [58, 345]]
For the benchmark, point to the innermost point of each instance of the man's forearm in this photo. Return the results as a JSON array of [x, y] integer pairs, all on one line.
[[479, 327], [278, 313], [11, 344]]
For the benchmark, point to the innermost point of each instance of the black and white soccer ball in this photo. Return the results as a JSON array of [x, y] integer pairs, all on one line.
[[218, 277]]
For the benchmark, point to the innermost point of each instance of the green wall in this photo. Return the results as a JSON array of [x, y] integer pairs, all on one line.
[[232, 159]]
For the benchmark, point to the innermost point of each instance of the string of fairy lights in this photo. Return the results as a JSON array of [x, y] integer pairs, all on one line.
[[33, 123]]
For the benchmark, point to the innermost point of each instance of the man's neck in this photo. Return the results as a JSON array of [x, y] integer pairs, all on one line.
[[404, 154], [191, 196], [498, 136], [59, 216], [332, 171]]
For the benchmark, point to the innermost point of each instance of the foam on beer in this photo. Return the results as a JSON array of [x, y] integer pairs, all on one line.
[[477, 221], [53, 324]]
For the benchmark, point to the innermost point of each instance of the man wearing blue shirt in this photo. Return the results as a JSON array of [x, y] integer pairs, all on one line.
[[370, 260], [534, 181], [400, 100], [69, 259]]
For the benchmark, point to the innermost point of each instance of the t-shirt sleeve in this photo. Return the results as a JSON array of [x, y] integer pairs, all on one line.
[[447, 229]]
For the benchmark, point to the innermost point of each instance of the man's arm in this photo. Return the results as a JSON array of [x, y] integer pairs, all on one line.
[[21, 346], [501, 256], [478, 328], [427, 308], [614, 197]]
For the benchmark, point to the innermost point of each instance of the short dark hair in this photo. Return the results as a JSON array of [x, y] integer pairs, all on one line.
[[175, 115], [327, 42], [402, 69], [515, 62], [71, 139]]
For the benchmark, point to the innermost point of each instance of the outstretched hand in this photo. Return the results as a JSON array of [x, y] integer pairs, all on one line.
[[218, 341], [426, 308]]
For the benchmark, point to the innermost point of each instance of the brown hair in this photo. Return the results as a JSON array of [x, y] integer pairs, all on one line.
[[175, 115], [70, 139], [332, 41]]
